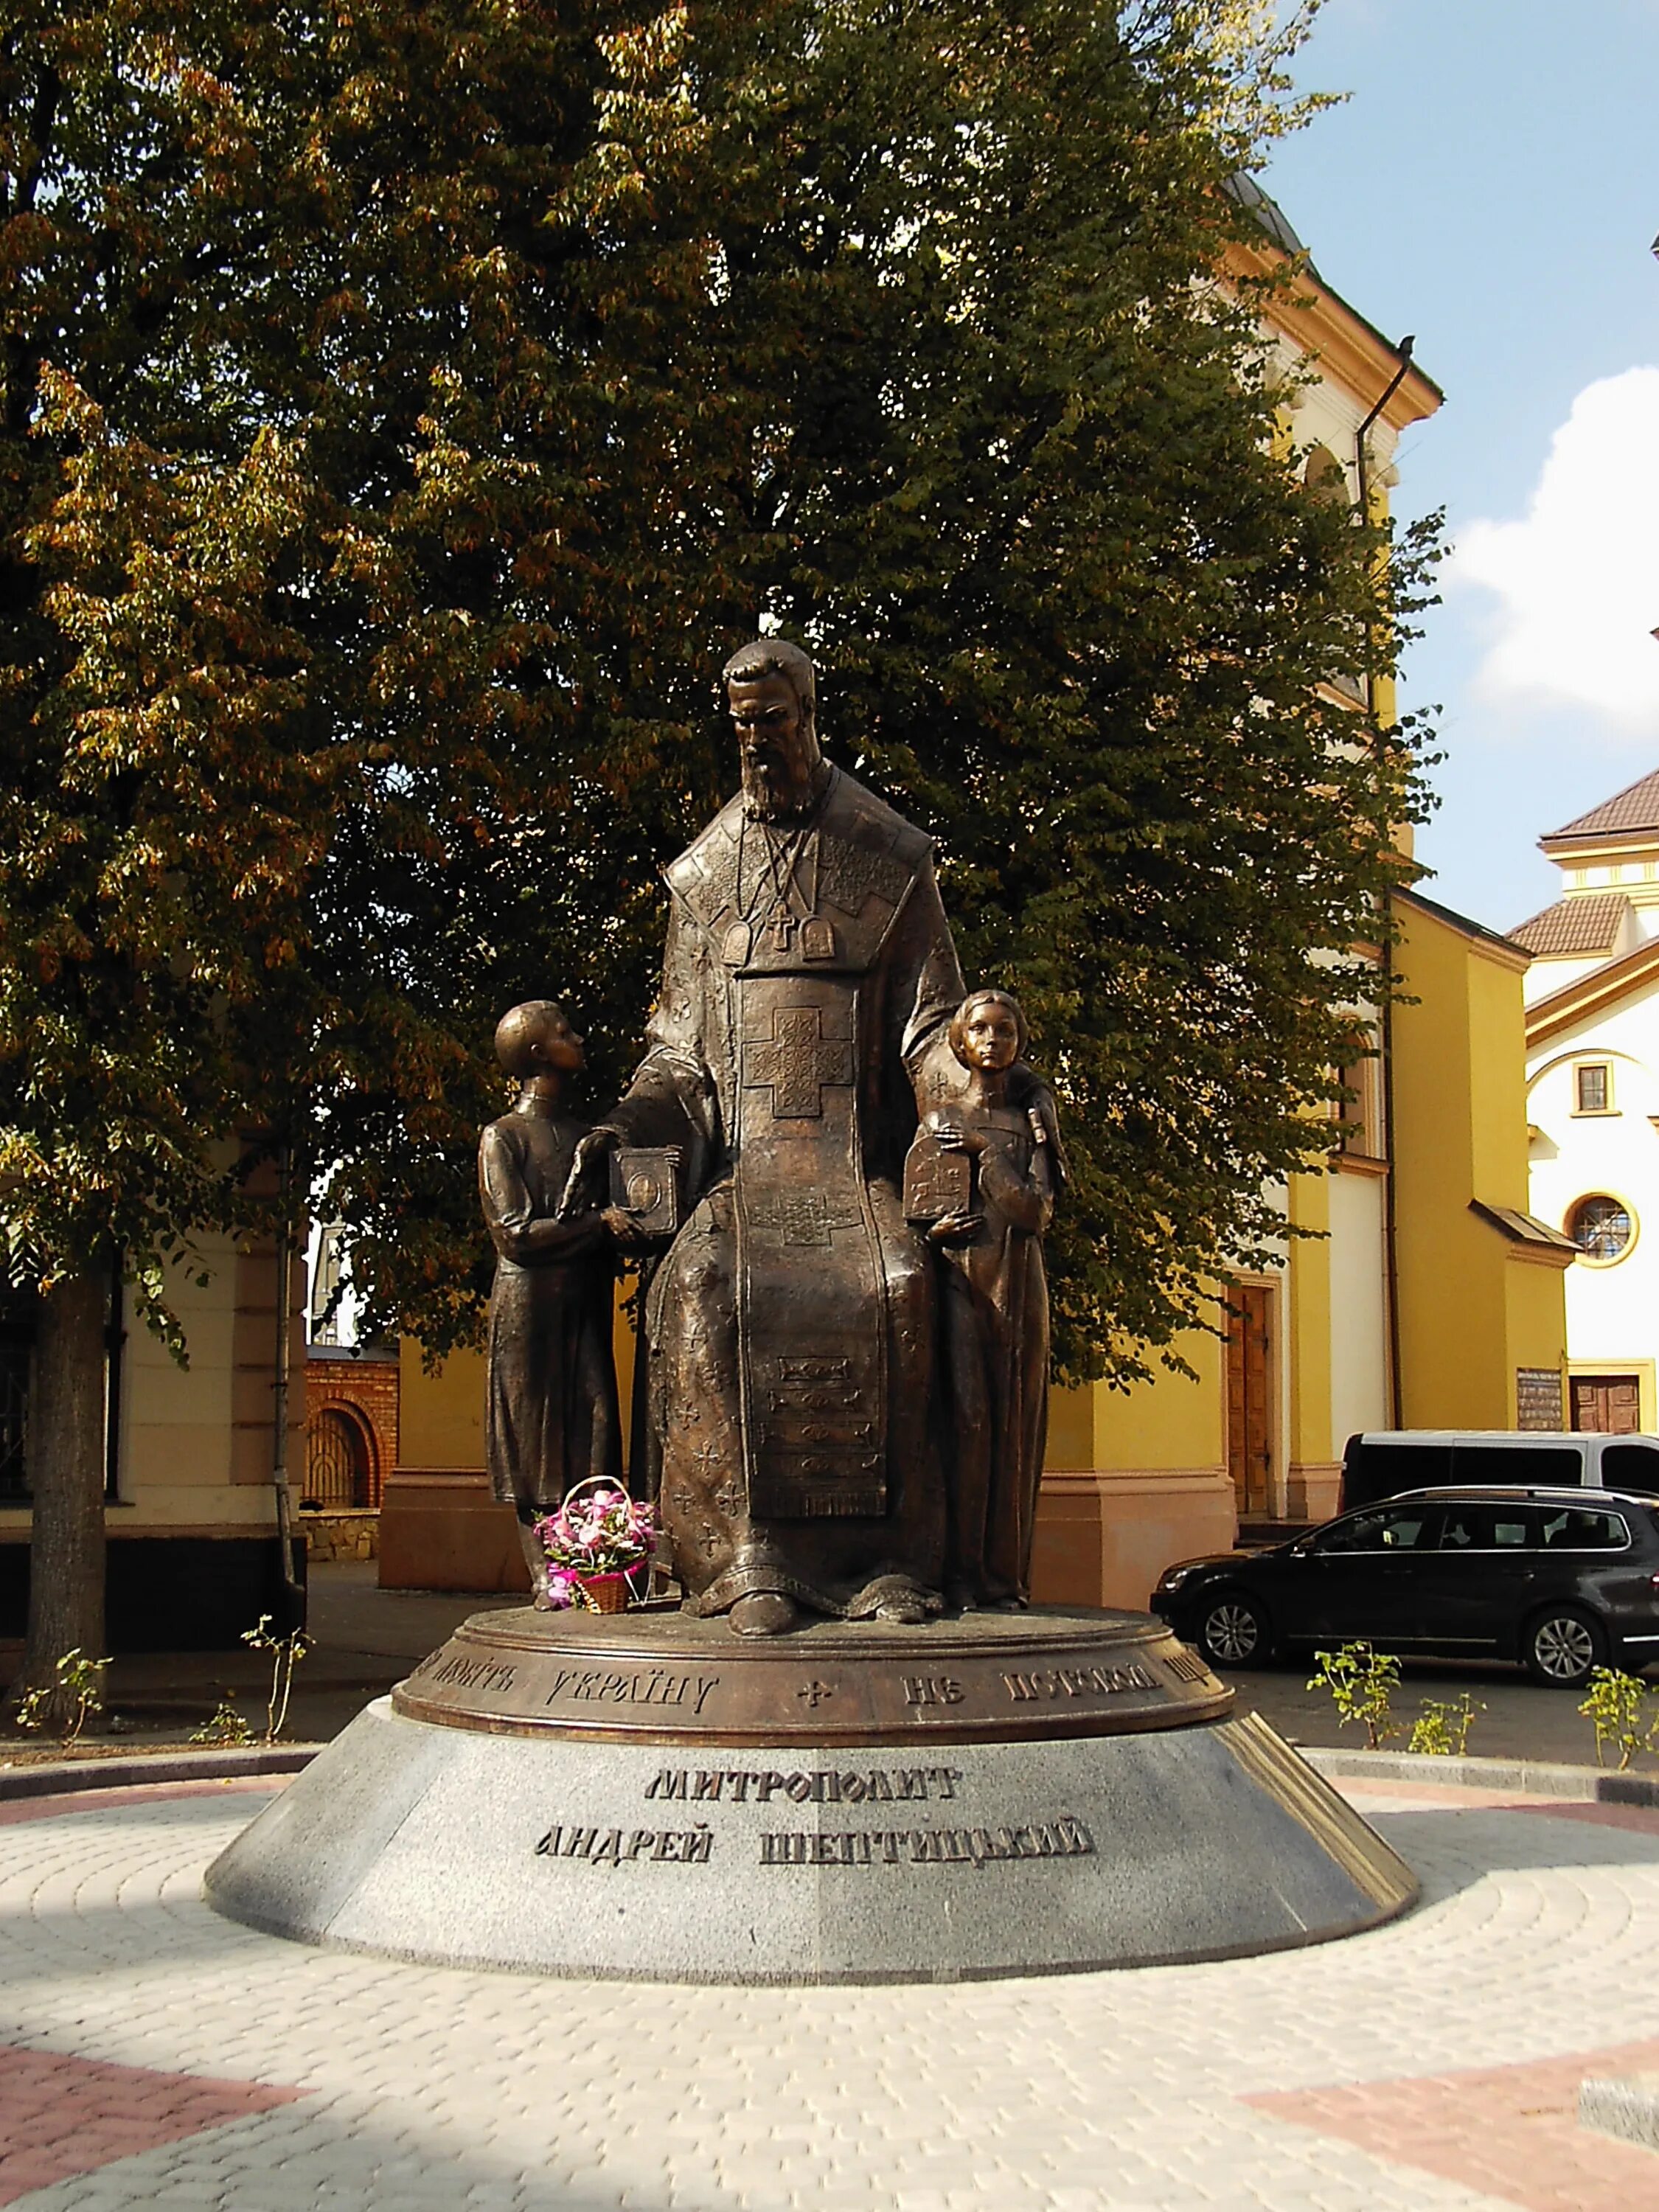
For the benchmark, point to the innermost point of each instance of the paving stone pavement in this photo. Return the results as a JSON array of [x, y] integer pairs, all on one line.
[[1428, 2066]]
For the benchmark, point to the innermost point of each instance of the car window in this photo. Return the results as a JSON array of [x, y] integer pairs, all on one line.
[[1554, 1467], [1575, 1529], [1374, 1471], [1484, 1528], [1629, 1467], [1389, 1529]]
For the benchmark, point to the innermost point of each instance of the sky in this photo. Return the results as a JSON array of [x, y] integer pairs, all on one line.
[[1492, 186]]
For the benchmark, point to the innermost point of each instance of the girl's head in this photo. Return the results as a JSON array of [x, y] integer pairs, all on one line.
[[988, 1032]]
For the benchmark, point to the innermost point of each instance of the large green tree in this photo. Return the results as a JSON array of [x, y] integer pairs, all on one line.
[[407, 406]]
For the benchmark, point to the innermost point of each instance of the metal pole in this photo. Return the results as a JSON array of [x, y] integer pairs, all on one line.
[[280, 1380]]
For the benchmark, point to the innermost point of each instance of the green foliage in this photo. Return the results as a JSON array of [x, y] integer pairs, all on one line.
[[1362, 1681], [70, 1701], [1621, 1707], [407, 407], [286, 1653], [227, 1726], [1442, 1726]]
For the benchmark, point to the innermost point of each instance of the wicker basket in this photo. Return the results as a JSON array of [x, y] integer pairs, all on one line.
[[607, 1593]]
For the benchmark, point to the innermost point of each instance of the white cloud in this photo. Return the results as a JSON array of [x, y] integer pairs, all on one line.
[[1577, 579]]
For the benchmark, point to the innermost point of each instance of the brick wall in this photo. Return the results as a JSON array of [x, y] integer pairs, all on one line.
[[351, 1428]]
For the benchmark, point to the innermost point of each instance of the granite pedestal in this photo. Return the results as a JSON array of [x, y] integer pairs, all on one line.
[[643, 1796]]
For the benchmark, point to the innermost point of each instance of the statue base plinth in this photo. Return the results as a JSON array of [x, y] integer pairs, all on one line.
[[645, 1796]]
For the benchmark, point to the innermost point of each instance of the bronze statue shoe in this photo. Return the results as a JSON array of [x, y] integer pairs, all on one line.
[[763, 1613]]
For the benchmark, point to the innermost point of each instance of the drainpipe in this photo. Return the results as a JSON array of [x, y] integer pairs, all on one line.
[[1391, 1224], [280, 1387], [115, 1337]]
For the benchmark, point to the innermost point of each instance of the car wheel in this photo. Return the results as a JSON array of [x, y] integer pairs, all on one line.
[[1562, 1645], [1232, 1631]]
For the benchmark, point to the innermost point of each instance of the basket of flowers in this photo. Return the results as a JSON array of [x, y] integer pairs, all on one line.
[[598, 1546]]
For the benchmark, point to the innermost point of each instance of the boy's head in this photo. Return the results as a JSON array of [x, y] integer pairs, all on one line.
[[537, 1039]]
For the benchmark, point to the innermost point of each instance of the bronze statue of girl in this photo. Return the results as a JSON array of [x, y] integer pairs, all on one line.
[[995, 1305]]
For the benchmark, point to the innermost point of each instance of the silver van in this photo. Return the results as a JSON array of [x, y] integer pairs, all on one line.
[[1382, 1462]]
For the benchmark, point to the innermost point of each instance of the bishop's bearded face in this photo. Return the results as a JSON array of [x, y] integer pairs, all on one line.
[[777, 750]]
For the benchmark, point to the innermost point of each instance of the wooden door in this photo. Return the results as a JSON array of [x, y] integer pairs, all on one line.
[[1250, 1395], [336, 1462], [1611, 1405]]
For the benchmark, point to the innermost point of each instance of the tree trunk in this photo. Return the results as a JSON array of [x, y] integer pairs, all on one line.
[[66, 1477]]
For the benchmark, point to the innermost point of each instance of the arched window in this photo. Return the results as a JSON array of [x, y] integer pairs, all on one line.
[[1323, 472], [1602, 1227], [338, 1473]]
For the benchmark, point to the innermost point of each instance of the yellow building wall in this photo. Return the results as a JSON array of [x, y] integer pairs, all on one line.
[[1173, 1422], [440, 1410], [193, 1450], [441, 1419], [1310, 1477], [1498, 1081], [1136, 1479], [1471, 1309], [1535, 1305]]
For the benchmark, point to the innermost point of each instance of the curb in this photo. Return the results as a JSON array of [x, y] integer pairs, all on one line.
[[1627, 2109], [1587, 1784], [68, 1776]]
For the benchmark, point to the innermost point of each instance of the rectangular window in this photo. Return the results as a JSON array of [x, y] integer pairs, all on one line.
[[1360, 1116], [1592, 1087], [1630, 1467], [1575, 1531], [1373, 1471], [1484, 1529], [1561, 1465]]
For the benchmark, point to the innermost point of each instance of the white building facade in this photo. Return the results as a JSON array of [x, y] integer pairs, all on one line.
[[1593, 1099]]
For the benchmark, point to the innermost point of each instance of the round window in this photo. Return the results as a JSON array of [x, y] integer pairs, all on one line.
[[1600, 1227]]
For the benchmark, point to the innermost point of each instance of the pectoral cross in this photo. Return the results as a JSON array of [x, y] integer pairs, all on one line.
[[780, 931]]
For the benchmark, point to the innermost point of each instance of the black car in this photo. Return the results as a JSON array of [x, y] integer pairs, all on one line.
[[1562, 1580]]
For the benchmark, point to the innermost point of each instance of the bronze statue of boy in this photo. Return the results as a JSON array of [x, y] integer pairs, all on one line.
[[552, 1417]]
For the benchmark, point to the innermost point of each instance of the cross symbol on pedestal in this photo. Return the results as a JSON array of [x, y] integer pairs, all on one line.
[[796, 1061], [814, 1691]]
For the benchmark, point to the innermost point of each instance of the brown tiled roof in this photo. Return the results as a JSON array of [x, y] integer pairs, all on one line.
[[1636, 808], [1588, 923], [1522, 1228]]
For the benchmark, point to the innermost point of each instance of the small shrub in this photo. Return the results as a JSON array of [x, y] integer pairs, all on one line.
[[77, 1694], [1442, 1726], [1618, 1704], [227, 1726], [286, 1653], [1363, 1681]]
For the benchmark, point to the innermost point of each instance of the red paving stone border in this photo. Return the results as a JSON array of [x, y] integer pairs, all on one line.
[[1600, 1815], [1511, 2132], [62, 2116]]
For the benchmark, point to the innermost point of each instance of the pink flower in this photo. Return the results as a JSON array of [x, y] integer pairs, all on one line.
[[562, 1589]]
